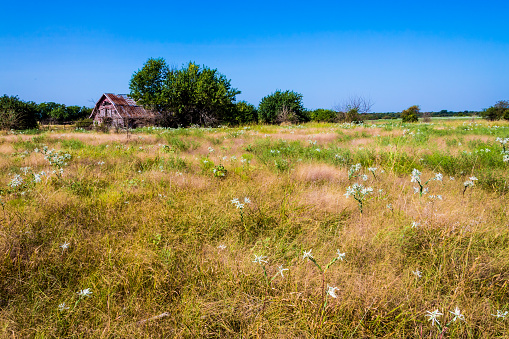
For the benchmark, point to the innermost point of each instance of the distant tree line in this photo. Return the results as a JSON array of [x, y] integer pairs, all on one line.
[[198, 95], [18, 114]]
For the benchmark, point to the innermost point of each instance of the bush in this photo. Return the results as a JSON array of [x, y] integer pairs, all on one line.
[[411, 114], [325, 115], [282, 107]]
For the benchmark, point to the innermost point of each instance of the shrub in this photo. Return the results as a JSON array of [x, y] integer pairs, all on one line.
[[410, 114], [286, 104], [325, 115]]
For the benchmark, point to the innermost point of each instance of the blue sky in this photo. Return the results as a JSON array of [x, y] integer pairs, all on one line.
[[437, 54]]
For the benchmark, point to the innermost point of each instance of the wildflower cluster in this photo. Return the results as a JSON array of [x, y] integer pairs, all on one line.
[[240, 206], [58, 159], [505, 151], [260, 259], [353, 170], [416, 177], [433, 317], [469, 183], [358, 192], [20, 183]]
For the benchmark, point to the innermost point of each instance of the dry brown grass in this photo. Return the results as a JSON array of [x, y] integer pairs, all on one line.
[[319, 172]]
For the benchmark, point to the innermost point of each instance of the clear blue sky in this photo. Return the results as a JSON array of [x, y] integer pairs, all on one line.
[[437, 54]]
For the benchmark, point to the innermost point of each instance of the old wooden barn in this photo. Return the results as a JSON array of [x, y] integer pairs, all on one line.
[[119, 110]]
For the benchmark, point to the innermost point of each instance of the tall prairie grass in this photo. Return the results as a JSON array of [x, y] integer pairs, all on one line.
[[136, 237]]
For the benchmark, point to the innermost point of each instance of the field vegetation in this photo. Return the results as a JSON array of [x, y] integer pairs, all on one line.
[[333, 230]]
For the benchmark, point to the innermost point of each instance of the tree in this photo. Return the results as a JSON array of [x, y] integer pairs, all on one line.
[[191, 95], [410, 114], [498, 111], [17, 114], [285, 105], [357, 103], [147, 84], [353, 108]]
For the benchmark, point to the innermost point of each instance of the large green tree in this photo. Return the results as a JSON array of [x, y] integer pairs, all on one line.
[[17, 114], [186, 96], [498, 111], [282, 106]]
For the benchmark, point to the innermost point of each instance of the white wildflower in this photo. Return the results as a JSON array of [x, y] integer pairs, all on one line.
[[416, 175], [64, 246], [433, 316], [417, 273], [281, 270], [332, 291], [63, 307], [500, 314], [84, 293], [307, 254], [457, 315], [16, 181], [340, 255], [260, 259]]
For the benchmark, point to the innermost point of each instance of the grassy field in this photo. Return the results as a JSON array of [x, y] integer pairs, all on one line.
[[320, 230]]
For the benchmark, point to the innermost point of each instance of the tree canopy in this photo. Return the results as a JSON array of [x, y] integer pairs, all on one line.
[[411, 114], [498, 111], [186, 96], [280, 106], [17, 114]]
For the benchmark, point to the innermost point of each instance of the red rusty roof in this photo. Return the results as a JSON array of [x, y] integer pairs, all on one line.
[[125, 106]]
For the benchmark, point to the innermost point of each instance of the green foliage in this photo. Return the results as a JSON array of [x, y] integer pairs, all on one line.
[[17, 114], [410, 114], [148, 84], [244, 113], [325, 115], [61, 113], [496, 112], [282, 106], [191, 95], [219, 171]]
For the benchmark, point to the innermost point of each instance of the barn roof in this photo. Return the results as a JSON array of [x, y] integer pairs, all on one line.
[[125, 106]]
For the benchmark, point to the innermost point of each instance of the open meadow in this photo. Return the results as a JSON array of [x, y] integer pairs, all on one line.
[[318, 230]]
